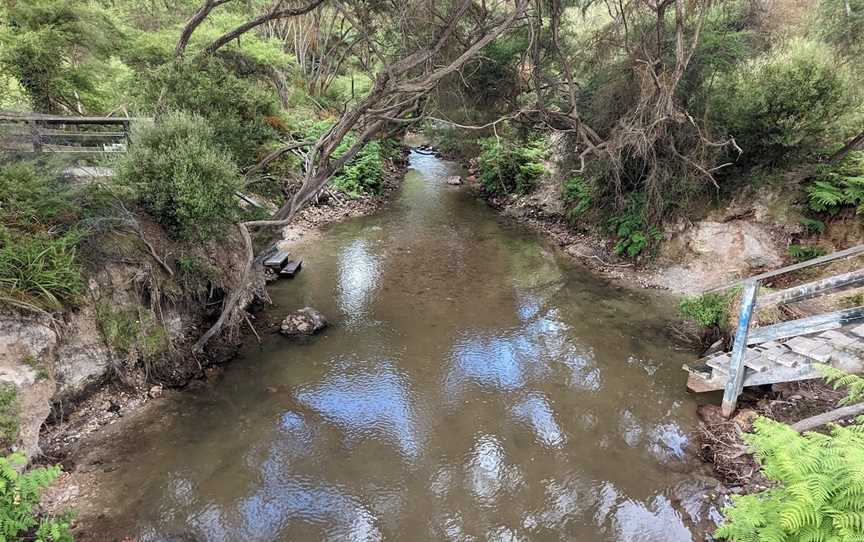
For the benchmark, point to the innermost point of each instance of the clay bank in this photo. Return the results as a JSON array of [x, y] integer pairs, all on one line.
[[473, 383]]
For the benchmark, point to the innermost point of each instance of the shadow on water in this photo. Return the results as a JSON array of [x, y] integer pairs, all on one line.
[[474, 385]]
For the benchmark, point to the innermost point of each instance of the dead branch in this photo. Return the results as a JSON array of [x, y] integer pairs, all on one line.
[[813, 422]]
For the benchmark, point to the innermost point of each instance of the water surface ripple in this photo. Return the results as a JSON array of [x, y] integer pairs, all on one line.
[[475, 385]]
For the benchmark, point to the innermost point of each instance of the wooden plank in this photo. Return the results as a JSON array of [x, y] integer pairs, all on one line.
[[803, 326], [809, 348], [739, 349], [698, 384], [719, 363], [756, 361], [851, 251], [837, 338], [813, 289], [277, 261], [291, 268]]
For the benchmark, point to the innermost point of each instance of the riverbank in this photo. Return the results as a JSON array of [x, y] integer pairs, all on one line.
[[80, 436]]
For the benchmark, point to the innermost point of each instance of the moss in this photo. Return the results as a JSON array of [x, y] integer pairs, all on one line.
[[9, 409], [131, 332]]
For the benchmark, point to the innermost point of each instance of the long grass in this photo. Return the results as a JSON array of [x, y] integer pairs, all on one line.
[[39, 270]]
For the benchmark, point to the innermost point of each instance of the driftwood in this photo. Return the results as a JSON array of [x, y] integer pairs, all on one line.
[[832, 416]]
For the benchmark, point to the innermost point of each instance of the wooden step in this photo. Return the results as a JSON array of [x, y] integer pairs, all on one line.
[[277, 260], [838, 339], [811, 348], [756, 361], [291, 268], [719, 363]]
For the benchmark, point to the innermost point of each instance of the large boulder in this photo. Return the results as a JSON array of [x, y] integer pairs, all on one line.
[[304, 322]]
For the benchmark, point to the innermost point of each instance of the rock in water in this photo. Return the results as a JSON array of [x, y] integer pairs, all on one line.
[[455, 180], [306, 321]]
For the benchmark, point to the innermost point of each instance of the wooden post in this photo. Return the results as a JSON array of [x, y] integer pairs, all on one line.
[[739, 349], [126, 131], [37, 139]]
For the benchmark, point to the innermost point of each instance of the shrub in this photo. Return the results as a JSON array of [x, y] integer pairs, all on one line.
[[19, 499], [839, 185], [708, 309], [632, 229], [801, 253], [364, 173], [236, 108], [784, 101], [182, 177], [812, 225], [578, 195], [39, 270], [506, 166], [820, 491]]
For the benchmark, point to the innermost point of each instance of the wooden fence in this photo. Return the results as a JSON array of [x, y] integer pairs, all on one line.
[[66, 135]]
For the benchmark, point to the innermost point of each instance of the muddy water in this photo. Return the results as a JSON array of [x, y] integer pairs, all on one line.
[[474, 386]]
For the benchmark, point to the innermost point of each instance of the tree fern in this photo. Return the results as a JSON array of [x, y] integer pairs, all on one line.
[[839, 185], [820, 491], [839, 379]]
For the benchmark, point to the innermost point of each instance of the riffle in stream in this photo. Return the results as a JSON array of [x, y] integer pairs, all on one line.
[[475, 385]]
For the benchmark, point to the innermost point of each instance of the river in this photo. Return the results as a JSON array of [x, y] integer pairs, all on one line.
[[475, 384]]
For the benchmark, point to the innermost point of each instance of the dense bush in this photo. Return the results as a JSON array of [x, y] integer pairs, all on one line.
[[19, 499], [801, 253], [182, 176], [707, 310], [235, 107], [578, 196], [510, 166], [787, 100], [839, 185], [631, 228], [364, 173]]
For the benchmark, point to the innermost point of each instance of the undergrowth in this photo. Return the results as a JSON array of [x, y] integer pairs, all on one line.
[[19, 501], [8, 415], [508, 166], [839, 185], [707, 310]]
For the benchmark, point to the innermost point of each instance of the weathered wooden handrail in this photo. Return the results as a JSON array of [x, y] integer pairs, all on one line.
[[48, 133], [739, 349], [840, 254], [837, 283], [745, 337]]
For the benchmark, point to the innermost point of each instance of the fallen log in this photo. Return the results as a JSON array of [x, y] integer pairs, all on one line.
[[832, 416]]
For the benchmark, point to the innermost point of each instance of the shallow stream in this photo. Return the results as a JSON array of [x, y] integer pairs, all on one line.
[[474, 385]]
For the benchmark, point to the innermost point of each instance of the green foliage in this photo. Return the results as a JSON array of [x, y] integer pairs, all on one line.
[[632, 229], [132, 332], [801, 253], [39, 270], [236, 108], [19, 500], [839, 185], [820, 491], [508, 166], [840, 379], [57, 50], [812, 225], [841, 23], [362, 174], [182, 176], [578, 195], [30, 196], [787, 100], [708, 309], [8, 415]]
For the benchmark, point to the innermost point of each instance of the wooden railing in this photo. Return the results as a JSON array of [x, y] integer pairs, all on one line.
[[67, 135], [750, 302]]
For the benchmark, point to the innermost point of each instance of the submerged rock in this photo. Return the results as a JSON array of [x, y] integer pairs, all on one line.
[[455, 180], [306, 321]]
